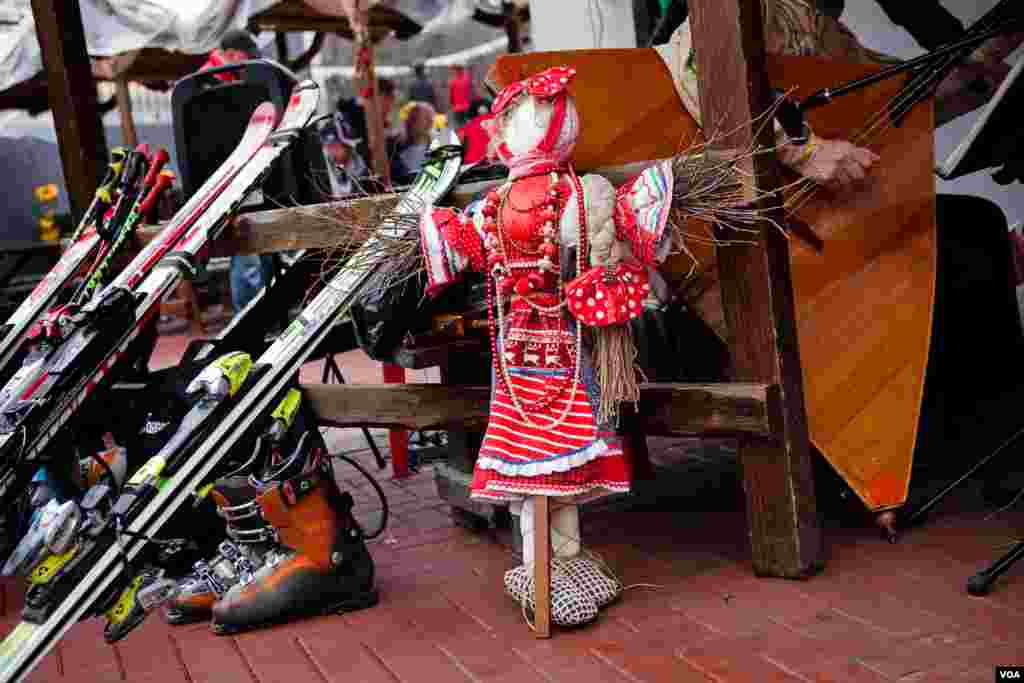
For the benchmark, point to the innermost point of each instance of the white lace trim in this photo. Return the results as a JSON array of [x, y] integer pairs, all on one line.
[[561, 463], [583, 493]]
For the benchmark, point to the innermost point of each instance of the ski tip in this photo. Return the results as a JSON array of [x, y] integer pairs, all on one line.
[[265, 113], [306, 85]]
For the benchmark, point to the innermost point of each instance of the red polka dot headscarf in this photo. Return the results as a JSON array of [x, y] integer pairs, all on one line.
[[550, 85]]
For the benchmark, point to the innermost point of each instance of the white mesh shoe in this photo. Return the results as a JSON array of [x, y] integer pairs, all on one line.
[[593, 579], [571, 605]]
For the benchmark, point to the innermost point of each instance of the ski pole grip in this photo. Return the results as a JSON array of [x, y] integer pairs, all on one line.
[[115, 167], [133, 169], [155, 165], [163, 181], [116, 164]]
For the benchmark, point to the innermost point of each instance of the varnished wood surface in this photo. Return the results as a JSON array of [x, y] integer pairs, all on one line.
[[864, 304], [622, 120]]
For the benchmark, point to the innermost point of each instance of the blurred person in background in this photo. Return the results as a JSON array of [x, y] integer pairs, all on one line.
[[354, 112], [460, 95], [421, 89], [346, 168], [416, 135], [236, 46]]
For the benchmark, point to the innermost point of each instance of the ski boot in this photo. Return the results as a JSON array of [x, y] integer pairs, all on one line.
[[327, 569], [249, 542]]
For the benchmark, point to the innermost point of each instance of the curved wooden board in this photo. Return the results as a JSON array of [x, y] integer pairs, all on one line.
[[612, 113], [864, 304]]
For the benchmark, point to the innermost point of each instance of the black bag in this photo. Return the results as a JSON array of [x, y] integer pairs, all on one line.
[[383, 316]]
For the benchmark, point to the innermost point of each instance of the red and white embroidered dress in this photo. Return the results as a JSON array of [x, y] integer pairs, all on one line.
[[543, 437]]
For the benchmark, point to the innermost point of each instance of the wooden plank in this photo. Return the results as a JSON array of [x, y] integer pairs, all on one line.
[[305, 227], [542, 566], [757, 293], [665, 409], [309, 227], [72, 98]]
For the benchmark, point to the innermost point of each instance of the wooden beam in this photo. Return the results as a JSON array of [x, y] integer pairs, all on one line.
[[281, 45], [327, 16], [124, 109], [747, 410], [757, 293], [72, 98], [512, 27], [304, 227], [542, 566], [375, 129]]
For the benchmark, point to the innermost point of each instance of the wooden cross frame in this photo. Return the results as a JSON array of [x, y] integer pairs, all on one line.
[[757, 293]]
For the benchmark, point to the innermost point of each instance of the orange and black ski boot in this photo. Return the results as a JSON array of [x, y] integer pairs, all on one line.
[[250, 541], [327, 568]]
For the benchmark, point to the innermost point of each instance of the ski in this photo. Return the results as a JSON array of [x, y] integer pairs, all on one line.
[[227, 410], [46, 391], [82, 244]]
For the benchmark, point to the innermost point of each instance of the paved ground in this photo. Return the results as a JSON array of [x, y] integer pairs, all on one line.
[[694, 611]]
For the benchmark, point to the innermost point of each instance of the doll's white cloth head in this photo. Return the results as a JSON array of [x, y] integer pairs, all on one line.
[[536, 124]]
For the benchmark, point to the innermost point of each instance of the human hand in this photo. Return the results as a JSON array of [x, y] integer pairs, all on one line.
[[836, 164], [967, 87]]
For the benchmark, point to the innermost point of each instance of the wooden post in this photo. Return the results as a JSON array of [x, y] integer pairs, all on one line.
[[281, 45], [374, 116], [398, 439], [512, 27], [542, 566], [786, 541], [72, 98], [124, 108]]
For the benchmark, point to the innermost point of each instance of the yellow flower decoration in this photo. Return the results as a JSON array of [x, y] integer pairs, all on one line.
[[46, 193], [440, 121]]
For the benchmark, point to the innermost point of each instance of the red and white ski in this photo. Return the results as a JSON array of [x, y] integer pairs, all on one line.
[[48, 394], [82, 245]]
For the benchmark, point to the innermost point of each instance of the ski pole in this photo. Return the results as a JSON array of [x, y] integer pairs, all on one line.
[[156, 182], [104, 195], [127, 191]]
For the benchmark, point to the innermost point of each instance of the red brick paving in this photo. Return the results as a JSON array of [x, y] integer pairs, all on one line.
[[877, 613]]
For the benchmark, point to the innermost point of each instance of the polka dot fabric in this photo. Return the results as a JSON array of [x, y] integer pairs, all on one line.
[[608, 295], [545, 85]]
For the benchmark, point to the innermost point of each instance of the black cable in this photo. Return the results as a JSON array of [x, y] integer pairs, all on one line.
[[376, 486]]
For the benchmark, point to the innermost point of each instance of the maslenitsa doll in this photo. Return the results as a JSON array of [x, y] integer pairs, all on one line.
[[568, 261]]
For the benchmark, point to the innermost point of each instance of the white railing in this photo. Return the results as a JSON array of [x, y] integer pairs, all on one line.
[[149, 107]]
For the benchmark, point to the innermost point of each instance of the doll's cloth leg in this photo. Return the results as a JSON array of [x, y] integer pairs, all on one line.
[[570, 604], [565, 530], [577, 582]]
